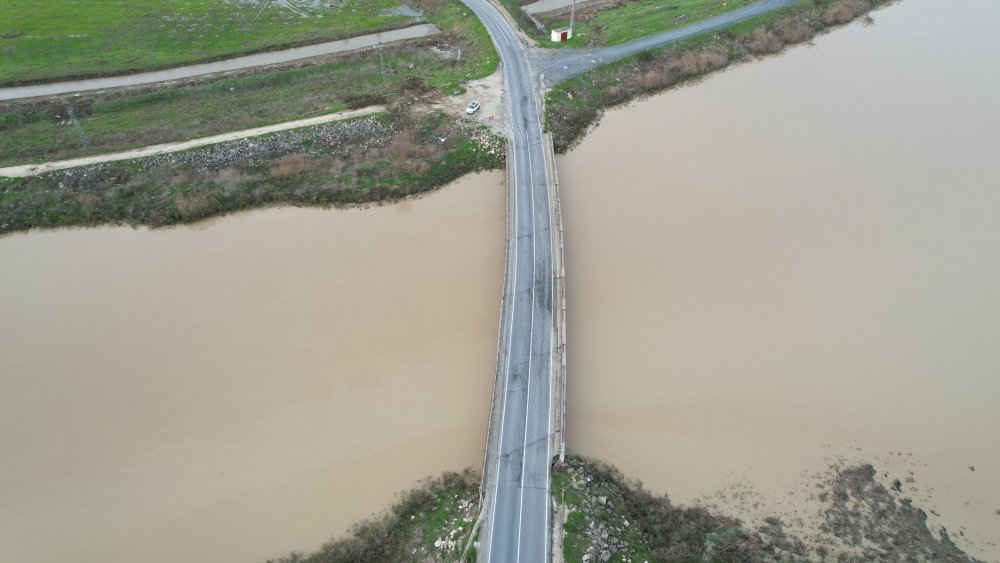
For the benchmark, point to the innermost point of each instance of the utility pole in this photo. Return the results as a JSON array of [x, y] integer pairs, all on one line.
[[84, 140], [381, 61], [572, 16]]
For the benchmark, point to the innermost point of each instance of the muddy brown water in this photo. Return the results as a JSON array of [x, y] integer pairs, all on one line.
[[241, 388], [797, 262]]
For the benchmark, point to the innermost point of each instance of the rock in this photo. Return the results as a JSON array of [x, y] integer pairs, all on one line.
[[586, 558], [605, 556], [602, 500], [438, 543]]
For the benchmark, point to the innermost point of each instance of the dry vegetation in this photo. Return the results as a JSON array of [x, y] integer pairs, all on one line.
[[195, 203], [845, 10], [690, 63], [408, 144], [650, 80], [793, 30], [292, 165], [376, 158], [426, 5], [764, 41]]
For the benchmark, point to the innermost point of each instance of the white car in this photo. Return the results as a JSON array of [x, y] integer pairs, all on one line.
[[472, 108]]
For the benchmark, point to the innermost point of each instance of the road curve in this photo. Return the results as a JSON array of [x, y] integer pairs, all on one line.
[[517, 484], [556, 66]]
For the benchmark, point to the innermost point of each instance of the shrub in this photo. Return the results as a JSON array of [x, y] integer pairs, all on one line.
[[195, 204], [650, 80], [845, 10], [407, 145], [792, 30], [765, 41], [292, 165], [615, 94], [426, 6], [690, 63]]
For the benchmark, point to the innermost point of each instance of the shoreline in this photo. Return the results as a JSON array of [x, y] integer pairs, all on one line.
[[574, 106], [728, 538], [647, 73], [368, 159], [600, 514]]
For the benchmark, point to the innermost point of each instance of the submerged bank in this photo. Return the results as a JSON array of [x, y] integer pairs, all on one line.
[[604, 515], [600, 516]]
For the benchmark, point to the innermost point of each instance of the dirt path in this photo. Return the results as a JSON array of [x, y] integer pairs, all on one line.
[[227, 65], [24, 170]]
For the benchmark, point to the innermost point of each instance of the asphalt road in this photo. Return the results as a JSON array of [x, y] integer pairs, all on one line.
[[519, 452], [558, 65], [517, 527]]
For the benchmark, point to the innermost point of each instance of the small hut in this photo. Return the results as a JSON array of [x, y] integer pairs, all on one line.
[[562, 34]]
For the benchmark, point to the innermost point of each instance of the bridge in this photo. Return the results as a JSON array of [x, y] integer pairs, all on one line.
[[521, 441], [527, 421]]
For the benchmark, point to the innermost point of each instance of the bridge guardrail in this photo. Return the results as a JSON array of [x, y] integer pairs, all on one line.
[[559, 269], [498, 383]]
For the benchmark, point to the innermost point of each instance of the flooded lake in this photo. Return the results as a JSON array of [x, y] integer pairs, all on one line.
[[238, 389], [797, 262]]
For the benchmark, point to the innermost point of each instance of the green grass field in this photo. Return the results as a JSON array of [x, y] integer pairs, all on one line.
[[30, 133], [49, 39], [634, 19]]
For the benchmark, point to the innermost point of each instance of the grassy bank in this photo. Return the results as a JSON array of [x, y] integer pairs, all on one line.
[[604, 515], [371, 159], [444, 508], [37, 131], [610, 22], [573, 106], [49, 40]]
